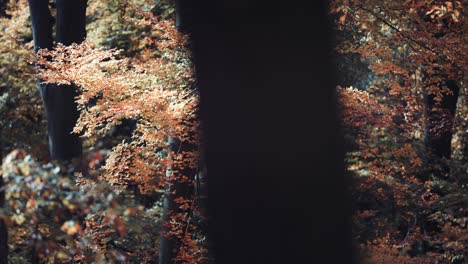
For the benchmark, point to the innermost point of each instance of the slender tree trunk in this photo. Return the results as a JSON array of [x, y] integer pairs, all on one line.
[[3, 5], [169, 246], [440, 117], [59, 100], [461, 152], [3, 228]]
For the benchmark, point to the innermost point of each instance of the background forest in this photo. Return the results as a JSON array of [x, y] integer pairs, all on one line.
[[404, 110], [402, 101]]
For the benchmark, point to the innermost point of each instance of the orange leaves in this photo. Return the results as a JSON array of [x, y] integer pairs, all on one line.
[[342, 18], [154, 88], [413, 48], [95, 160], [184, 204], [360, 108], [150, 82], [117, 222], [396, 89], [71, 228], [151, 89], [386, 67], [31, 203]]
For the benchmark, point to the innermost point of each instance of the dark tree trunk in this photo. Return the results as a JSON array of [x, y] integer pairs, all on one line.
[[276, 187], [440, 117], [3, 5], [3, 228], [169, 246], [59, 100]]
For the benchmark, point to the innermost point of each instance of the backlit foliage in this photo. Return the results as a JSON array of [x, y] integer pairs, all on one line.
[[54, 213], [407, 210], [134, 68], [401, 214]]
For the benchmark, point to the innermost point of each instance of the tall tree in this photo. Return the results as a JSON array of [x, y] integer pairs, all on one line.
[[276, 190], [440, 117], [3, 5], [59, 100], [169, 244], [3, 228], [416, 49]]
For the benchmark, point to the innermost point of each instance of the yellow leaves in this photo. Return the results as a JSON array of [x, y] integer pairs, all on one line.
[[72, 207], [18, 218], [446, 10], [133, 211], [456, 16], [71, 228], [60, 256]]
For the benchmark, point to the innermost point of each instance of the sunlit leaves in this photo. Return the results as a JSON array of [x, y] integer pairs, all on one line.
[[155, 88], [413, 48]]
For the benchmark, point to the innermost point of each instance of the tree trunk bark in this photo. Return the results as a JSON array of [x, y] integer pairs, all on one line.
[[3, 5], [169, 246], [439, 123], [3, 228], [274, 153], [59, 100]]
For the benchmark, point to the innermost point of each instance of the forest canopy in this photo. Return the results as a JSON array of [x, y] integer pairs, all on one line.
[[135, 98]]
